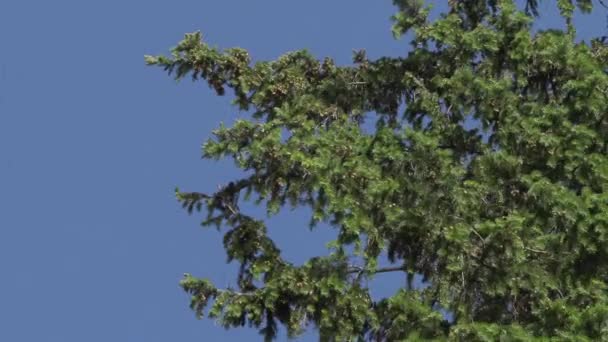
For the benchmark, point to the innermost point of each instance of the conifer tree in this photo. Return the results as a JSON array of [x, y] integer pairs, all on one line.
[[486, 174]]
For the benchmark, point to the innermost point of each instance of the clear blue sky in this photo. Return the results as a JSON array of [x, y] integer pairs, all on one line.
[[92, 144]]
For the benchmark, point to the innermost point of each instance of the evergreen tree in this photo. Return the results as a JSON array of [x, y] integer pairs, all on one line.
[[486, 174]]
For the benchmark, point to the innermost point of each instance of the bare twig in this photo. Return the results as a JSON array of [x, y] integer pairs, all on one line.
[[483, 241], [360, 270], [535, 250]]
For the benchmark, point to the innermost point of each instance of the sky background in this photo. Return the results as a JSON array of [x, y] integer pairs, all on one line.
[[93, 142]]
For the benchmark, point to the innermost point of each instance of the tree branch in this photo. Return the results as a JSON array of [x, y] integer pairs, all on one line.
[[360, 270]]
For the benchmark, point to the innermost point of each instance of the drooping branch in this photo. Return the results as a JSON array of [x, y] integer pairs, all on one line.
[[226, 199], [360, 271]]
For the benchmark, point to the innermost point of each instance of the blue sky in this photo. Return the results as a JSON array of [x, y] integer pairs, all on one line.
[[93, 142]]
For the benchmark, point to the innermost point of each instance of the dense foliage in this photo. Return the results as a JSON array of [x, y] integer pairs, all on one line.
[[487, 174]]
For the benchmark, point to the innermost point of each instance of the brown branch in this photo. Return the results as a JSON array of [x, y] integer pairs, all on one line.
[[390, 269], [536, 250], [360, 270], [483, 241]]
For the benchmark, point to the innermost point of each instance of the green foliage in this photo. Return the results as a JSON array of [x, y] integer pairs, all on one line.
[[487, 174]]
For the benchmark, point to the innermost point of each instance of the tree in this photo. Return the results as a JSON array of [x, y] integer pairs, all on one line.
[[486, 174]]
